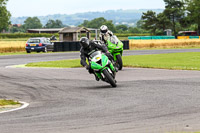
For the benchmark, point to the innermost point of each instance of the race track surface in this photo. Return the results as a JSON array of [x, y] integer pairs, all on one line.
[[71, 101]]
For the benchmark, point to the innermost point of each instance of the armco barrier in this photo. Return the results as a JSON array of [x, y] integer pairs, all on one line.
[[150, 37], [75, 46], [188, 37], [183, 37], [194, 37]]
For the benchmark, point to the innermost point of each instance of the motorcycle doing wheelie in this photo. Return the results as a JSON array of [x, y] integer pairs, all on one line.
[[115, 47], [103, 67]]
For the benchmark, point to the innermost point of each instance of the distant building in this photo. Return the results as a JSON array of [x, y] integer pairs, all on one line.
[[73, 33], [53, 30], [67, 33], [16, 25], [187, 33]]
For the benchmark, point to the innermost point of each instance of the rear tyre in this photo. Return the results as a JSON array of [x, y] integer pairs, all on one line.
[[109, 78], [28, 51], [119, 62]]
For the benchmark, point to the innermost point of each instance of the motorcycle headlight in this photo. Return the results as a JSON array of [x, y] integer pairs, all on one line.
[[97, 58]]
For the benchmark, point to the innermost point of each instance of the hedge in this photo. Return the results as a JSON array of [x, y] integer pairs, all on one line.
[[25, 35], [125, 34], [28, 35]]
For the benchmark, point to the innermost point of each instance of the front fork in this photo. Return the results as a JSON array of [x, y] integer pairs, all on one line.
[[115, 56], [110, 65]]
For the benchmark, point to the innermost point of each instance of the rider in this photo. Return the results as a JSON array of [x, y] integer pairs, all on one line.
[[104, 33], [87, 48]]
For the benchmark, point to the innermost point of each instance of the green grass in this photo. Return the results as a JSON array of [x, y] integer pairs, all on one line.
[[23, 53], [4, 102], [176, 61], [13, 53], [58, 64], [14, 39], [166, 48]]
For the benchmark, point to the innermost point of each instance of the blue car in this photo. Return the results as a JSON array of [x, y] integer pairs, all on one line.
[[39, 44]]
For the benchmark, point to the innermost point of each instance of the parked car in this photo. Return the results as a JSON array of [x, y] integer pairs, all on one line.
[[39, 44]]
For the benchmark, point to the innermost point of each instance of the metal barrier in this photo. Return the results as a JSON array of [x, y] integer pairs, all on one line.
[[75, 46], [161, 37], [150, 37]]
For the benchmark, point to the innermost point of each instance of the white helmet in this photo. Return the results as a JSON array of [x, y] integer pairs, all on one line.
[[103, 29]]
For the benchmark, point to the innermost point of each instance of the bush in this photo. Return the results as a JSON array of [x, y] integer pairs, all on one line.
[[126, 34], [26, 35]]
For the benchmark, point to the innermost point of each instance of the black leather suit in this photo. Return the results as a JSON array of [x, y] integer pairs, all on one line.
[[93, 46]]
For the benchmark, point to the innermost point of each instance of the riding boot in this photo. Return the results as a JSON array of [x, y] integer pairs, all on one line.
[[96, 77]]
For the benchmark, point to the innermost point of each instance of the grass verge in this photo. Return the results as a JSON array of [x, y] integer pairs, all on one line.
[[23, 53], [13, 53], [4, 102], [59, 64], [176, 61]]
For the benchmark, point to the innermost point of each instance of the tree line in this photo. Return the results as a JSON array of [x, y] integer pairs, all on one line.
[[121, 28], [179, 15], [35, 23]]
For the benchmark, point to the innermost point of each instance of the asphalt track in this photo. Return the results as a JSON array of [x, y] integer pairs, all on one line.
[[71, 101]]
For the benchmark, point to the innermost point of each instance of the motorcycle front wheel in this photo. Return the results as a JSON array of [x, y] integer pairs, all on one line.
[[109, 77], [119, 62]]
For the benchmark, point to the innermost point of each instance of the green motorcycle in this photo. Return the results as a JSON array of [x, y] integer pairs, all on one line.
[[103, 67], [115, 47]]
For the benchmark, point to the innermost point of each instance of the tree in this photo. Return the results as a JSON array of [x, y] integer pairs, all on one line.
[[15, 29], [135, 30], [85, 23], [4, 15], [98, 22], [174, 10], [193, 13], [32, 23], [149, 21], [54, 24], [110, 25], [162, 22], [139, 23], [121, 28]]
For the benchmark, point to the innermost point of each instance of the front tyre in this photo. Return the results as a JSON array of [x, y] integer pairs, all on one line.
[[109, 78], [119, 62]]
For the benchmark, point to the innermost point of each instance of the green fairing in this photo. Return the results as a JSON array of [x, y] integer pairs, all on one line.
[[103, 68], [96, 66], [98, 75], [112, 67], [115, 49]]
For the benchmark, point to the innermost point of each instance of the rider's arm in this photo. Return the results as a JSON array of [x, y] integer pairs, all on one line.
[[104, 49], [83, 58], [110, 33], [100, 46], [101, 37]]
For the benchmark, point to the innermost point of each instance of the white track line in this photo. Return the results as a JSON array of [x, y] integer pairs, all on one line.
[[24, 105]]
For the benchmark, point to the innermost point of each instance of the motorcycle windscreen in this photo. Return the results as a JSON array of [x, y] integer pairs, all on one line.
[[113, 40], [100, 63]]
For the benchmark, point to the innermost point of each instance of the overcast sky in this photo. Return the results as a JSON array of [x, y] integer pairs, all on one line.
[[31, 8]]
